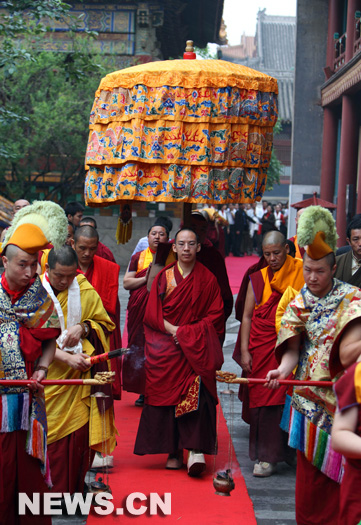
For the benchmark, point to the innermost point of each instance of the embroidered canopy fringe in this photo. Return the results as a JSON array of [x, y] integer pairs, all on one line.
[[163, 183], [181, 131], [314, 442]]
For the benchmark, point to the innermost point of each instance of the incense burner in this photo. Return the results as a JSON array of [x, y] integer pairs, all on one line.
[[223, 483]]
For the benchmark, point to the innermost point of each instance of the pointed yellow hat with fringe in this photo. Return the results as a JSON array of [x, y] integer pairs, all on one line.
[[36, 226], [317, 232]]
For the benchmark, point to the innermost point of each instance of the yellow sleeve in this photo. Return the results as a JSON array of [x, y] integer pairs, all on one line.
[[289, 294]]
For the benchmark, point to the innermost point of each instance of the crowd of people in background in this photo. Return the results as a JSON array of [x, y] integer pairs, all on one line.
[[244, 226]]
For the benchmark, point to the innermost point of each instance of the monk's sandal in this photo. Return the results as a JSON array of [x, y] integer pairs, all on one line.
[[262, 469], [196, 463]]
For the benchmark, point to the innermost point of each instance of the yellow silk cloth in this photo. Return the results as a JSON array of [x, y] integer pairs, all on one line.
[[286, 298], [291, 274], [191, 401], [298, 252], [69, 407], [145, 259], [44, 259], [357, 381], [181, 131]]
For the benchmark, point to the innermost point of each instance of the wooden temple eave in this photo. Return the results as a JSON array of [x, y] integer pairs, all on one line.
[[344, 81]]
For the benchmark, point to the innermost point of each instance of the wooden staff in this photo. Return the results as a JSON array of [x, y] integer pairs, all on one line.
[[107, 355], [228, 377], [101, 378]]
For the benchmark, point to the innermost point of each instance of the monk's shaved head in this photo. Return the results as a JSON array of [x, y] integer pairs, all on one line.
[[11, 250], [86, 231], [273, 237]]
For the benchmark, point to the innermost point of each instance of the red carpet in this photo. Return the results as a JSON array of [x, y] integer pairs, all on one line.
[[236, 268], [193, 500]]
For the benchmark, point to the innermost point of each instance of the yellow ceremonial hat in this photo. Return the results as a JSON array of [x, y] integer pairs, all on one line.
[[36, 226], [29, 238], [318, 248], [317, 232]]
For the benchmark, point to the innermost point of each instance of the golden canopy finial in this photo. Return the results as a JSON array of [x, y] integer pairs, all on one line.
[[189, 46]]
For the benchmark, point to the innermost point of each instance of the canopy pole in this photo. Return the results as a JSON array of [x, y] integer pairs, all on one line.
[[189, 54]]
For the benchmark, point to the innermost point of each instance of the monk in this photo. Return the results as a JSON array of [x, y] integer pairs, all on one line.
[[102, 250], [135, 280], [29, 326], [348, 265], [103, 275], [183, 326], [267, 442], [209, 256], [72, 440], [320, 334]]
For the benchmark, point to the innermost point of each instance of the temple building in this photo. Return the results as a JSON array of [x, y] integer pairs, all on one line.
[[326, 140], [139, 32], [272, 51]]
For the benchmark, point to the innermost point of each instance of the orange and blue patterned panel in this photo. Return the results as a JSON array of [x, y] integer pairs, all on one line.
[[177, 143]]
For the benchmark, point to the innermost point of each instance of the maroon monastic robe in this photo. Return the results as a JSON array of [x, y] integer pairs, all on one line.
[[104, 252], [262, 342], [196, 306], [133, 362], [350, 501], [211, 258]]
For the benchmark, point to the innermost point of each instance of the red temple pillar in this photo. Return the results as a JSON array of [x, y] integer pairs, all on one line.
[[329, 147], [348, 162], [333, 16]]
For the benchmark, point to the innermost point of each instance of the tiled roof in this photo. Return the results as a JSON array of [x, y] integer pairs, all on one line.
[[285, 98], [276, 37], [275, 41], [246, 49]]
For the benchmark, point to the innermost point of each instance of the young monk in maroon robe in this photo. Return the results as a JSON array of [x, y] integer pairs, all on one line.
[[29, 326], [209, 256], [267, 442], [135, 280], [183, 326], [103, 275]]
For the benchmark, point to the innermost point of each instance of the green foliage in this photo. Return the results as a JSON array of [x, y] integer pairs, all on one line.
[[48, 135], [275, 167], [45, 100], [205, 52]]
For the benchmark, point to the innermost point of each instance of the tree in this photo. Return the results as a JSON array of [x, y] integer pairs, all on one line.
[[205, 52], [45, 99], [49, 136], [275, 166]]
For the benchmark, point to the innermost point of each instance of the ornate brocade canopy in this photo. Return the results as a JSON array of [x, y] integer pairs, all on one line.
[[196, 131]]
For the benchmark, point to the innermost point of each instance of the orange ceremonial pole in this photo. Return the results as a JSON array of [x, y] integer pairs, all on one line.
[[46, 382], [228, 377]]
